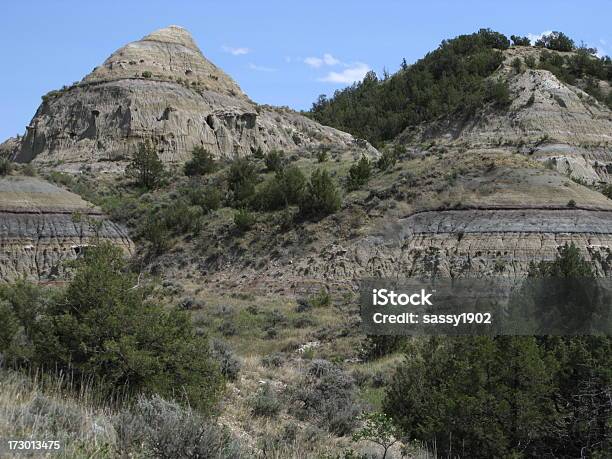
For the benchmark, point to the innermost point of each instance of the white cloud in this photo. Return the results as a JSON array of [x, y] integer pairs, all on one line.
[[354, 72], [317, 62], [261, 68], [235, 51], [330, 60], [535, 37]]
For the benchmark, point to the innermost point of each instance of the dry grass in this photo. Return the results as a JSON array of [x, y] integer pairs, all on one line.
[[33, 409]]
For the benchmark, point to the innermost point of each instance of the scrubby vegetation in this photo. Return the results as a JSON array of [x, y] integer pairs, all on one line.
[[244, 220], [88, 426], [359, 174], [517, 40], [103, 326], [556, 41], [286, 188], [274, 160], [509, 396], [582, 69], [327, 397], [449, 80], [5, 166], [145, 166], [322, 196], [201, 163], [241, 179], [452, 80]]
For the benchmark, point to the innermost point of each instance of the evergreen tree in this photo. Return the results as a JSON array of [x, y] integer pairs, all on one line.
[[201, 163], [274, 160], [104, 326], [146, 167], [520, 41], [510, 396], [321, 197], [242, 178], [556, 41], [450, 80], [359, 173], [583, 364], [477, 396]]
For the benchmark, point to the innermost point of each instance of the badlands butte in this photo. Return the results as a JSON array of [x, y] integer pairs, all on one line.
[[481, 194]]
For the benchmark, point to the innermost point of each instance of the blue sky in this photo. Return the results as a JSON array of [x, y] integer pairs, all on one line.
[[279, 52]]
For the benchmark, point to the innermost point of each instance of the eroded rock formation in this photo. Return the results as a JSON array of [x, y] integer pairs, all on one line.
[[163, 88], [547, 119], [42, 226]]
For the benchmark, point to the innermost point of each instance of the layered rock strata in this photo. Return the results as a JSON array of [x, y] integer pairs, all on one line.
[[43, 226]]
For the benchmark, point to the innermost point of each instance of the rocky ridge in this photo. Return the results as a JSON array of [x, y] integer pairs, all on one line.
[[547, 119]]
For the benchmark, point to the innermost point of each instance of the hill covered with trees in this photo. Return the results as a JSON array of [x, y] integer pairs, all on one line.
[[455, 79]]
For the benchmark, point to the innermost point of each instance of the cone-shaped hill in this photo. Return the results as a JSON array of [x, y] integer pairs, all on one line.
[[162, 88]]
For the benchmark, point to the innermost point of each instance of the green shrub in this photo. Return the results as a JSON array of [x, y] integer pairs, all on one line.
[[326, 395], [242, 178], [286, 188], [517, 64], [530, 62], [498, 93], [175, 219], [607, 191], [359, 174], [378, 428], [201, 163], [322, 155], [244, 220], [265, 402], [274, 360], [207, 197], [377, 346], [61, 178], [10, 327], [520, 41], [5, 166], [388, 158], [472, 379], [228, 362], [556, 41], [228, 328], [274, 160], [103, 326], [147, 74], [321, 197], [156, 232], [571, 203], [181, 218], [321, 299], [146, 167]]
